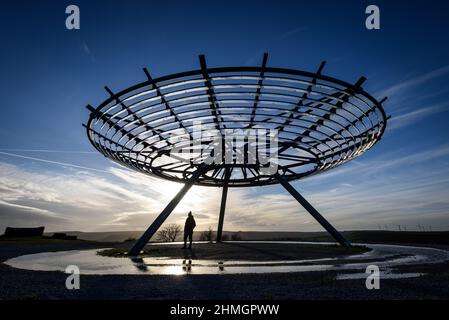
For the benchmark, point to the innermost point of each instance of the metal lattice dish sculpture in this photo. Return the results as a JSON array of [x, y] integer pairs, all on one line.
[[321, 122]]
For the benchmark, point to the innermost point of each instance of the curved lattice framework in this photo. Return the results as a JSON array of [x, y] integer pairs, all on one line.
[[321, 122]]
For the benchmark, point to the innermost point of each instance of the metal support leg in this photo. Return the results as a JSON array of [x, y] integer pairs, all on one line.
[[223, 205], [318, 217], [138, 246]]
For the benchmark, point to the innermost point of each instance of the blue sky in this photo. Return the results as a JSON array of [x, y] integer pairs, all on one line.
[[50, 174]]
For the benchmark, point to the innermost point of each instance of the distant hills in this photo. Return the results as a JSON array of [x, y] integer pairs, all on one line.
[[435, 237]]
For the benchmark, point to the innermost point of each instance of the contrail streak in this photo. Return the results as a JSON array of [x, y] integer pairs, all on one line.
[[50, 151], [53, 162]]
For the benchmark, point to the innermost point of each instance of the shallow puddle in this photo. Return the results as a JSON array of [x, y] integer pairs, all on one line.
[[385, 257]]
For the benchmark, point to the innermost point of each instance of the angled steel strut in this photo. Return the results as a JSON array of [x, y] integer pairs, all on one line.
[[223, 204], [318, 217], [140, 244]]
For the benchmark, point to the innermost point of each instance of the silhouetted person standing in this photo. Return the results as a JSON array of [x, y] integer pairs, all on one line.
[[188, 229]]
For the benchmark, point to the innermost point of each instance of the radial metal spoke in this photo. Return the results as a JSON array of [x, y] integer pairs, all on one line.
[[259, 87], [164, 101], [210, 92]]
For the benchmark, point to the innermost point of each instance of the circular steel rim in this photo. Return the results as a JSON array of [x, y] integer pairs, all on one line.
[[341, 95]]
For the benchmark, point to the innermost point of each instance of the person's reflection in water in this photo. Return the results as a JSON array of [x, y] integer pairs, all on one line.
[[187, 265]]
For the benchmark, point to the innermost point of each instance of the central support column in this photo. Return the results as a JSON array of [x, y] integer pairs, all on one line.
[[223, 204], [318, 217], [138, 246]]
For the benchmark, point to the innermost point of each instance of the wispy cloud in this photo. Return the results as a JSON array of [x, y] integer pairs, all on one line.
[[86, 48], [291, 32], [414, 81], [409, 99], [271, 42], [27, 208], [65, 164], [393, 161], [48, 151], [394, 188], [120, 199], [408, 118]]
